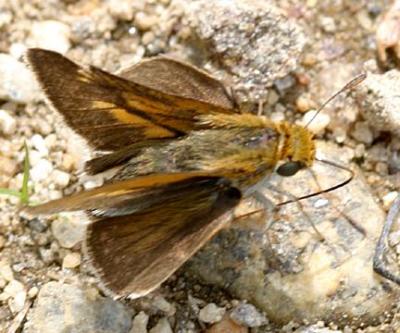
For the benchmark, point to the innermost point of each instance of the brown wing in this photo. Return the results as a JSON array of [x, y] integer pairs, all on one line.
[[134, 254], [112, 112], [133, 194], [180, 79]]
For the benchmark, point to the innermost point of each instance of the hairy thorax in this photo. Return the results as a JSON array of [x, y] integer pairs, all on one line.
[[232, 153]]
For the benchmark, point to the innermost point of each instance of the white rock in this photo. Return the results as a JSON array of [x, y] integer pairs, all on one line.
[[8, 124], [51, 35], [318, 124], [388, 199], [17, 50], [144, 21], [161, 304], [33, 292], [39, 144], [123, 11], [41, 170], [211, 313], [16, 304], [13, 288], [61, 178], [6, 272], [5, 18], [17, 82], [162, 326], [72, 260]]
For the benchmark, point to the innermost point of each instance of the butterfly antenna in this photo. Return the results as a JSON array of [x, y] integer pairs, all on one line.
[[349, 85], [330, 189]]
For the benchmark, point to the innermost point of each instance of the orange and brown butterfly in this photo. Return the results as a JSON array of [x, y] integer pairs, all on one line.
[[185, 156]]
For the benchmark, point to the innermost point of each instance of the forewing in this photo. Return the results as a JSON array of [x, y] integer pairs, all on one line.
[[125, 194], [111, 112], [180, 79], [134, 254]]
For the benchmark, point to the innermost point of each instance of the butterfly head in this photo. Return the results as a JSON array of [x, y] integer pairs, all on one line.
[[297, 149]]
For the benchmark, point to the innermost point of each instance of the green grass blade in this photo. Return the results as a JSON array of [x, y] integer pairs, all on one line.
[[6, 191], [25, 190]]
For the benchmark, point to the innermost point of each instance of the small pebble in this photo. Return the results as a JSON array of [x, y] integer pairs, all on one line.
[[8, 124], [148, 37], [40, 145], [139, 324], [161, 304], [21, 88], [248, 315], [318, 124], [67, 231], [41, 170], [13, 288], [33, 292], [283, 85], [51, 35], [61, 178], [68, 162], [359, 151], [362, 133], [6, 272], [273, 97], [8, 166], [394, 238], [388, 199], [304, 104], [211, 313], [122, 10], [17, 50], [163, 326], [327, 23], [16, 304], [144, 21], [71, 260]]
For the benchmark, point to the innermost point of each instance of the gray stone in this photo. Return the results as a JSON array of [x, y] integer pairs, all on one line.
[[68, 230], [248, 315], [139, 324], [253, 40], [379, 97], [67, 308], [162, 326], [211, 313], [286, 270]]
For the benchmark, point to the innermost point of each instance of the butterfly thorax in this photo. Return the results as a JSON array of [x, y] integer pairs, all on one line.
[[243, 148]]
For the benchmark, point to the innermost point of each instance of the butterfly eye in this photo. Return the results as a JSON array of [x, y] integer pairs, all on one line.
[[290, 168]]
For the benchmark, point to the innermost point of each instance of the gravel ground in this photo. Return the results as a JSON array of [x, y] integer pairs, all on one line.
[[290, 55]]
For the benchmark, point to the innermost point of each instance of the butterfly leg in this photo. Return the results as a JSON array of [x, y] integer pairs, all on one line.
[[293, 198], [381, 246], [328, 195]]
